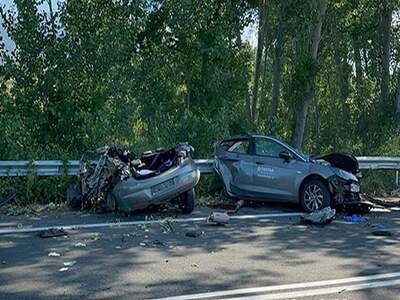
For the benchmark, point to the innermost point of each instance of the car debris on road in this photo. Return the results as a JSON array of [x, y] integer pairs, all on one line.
[[218, 218], [323, 216], [52, 232], [111, 179]]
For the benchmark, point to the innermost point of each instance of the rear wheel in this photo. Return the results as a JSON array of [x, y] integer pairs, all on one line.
[[187, 201], [315, 195]]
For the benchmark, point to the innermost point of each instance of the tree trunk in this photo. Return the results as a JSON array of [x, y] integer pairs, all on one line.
[[302, 115], [273, 108], [386, 26], [262, 31], [342, 69], [398, 101], [357, 61]]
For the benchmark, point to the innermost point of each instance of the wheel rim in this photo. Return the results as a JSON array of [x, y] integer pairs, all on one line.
[[313, 197]]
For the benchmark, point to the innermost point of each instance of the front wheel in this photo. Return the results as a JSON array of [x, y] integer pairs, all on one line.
[[315, 195], [187, 201]]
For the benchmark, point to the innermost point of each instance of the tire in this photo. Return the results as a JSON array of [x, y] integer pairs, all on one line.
[[315, 195], [187, 201]]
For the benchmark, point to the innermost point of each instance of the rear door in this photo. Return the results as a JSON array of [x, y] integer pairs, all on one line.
[[274, 177], [236, 166]]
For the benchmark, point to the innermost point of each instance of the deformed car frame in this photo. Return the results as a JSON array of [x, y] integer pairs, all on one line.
[[259, 167], [111, 180], [176, 183]]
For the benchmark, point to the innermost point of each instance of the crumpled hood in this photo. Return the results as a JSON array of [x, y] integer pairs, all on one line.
[[345, 162], [344, 174]]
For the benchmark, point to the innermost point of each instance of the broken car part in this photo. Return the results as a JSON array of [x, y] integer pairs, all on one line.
[[323, 216], [218, 218]]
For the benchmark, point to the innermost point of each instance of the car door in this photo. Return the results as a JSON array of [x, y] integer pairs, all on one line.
[[275, 177], [235, 165]]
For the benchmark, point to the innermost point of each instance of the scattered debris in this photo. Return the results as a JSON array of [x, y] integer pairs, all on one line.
[[391, 201], [354, 219], [239, 205], [218, 218], [194, 265], [54, 254], [80, 245], [323, 216], [63, 269], [118, 247], [52, 232], [3, 262], [358, 207], [96, 236], [166, 225], [69, 263], [194, 233], [143, 244], [159, 243], [382, 233]]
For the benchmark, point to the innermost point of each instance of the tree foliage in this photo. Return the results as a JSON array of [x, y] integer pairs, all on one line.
[[146, 74]]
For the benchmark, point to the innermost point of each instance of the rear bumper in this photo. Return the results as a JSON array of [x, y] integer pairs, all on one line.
[[135, 194]]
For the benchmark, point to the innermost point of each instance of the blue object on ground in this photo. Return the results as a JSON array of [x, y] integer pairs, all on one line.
[[354, 219], [381, 226]]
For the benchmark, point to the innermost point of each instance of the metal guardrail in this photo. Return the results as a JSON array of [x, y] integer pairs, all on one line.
[[71, 167], [10, 168]]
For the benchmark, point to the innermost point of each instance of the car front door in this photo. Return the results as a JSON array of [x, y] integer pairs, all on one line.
[[236, 166], [275, 177]]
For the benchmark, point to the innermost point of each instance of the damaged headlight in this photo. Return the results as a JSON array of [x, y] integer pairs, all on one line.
[[354, 188]]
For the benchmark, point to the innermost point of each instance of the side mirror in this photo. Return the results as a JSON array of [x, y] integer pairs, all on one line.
[[285, 155]]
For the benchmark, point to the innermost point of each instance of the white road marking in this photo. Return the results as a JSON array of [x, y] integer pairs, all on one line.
[[322, 291], [294, 286], [133, 223]]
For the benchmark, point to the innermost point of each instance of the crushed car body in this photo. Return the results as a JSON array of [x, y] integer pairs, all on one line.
[[112, 179], [258, 167]]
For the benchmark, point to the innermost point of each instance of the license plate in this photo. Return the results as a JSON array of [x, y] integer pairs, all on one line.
[[159, 188]]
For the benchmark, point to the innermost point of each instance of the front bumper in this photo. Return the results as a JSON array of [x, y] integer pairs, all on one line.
[[344, 191]]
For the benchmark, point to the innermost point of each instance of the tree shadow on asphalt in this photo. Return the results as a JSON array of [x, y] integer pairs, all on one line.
[[103, 271]]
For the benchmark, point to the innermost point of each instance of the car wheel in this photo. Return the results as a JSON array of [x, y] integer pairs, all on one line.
[[315, 195], [187, 201]]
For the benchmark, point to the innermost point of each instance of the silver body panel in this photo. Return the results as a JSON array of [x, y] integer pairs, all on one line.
[[133, 194]]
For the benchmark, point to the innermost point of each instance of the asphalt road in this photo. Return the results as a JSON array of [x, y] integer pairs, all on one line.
[[247, 259]]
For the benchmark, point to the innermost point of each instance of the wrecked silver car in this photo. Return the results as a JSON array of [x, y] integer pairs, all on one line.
[[112, 180], [258, 167]]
